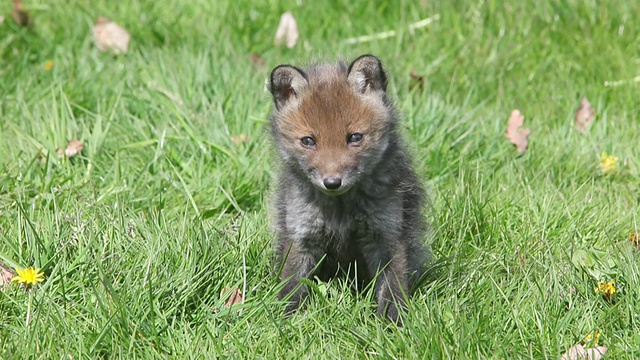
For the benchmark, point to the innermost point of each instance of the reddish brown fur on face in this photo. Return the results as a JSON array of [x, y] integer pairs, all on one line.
[[329, 111]]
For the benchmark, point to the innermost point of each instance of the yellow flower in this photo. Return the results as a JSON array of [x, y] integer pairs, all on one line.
[[634, 237], [607, 289], [591, 338], [608, 162], [48, 65], [28, 276]]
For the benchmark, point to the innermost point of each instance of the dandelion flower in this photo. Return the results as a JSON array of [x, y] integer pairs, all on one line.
[[608, 162], [48, 65], [28, 276], [591, 338], [607, 289]]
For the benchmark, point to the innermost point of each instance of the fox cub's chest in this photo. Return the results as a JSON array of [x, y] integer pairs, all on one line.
[[339, 223], [333, 223]]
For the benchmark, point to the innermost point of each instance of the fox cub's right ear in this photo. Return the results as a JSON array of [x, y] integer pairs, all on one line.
[[366, 73], [287, 83]]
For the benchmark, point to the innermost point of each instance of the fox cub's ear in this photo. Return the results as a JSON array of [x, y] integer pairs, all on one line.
[[366, 74], [286, 83]]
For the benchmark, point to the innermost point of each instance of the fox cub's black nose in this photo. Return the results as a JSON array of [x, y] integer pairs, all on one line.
[[332, 183]]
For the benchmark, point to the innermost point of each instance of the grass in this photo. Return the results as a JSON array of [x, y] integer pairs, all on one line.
[[138, 235]]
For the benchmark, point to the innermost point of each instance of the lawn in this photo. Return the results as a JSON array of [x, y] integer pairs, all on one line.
[[166, 206]]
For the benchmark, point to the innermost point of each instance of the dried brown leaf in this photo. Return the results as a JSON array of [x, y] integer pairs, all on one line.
[[257, 60], [235, 296], [515, 133], [19, 15], [110, 36], [585, 115], [634, 237], [416, 81], [578, 352], [5, 275], [287, 31], [238, 139], [73, 148]]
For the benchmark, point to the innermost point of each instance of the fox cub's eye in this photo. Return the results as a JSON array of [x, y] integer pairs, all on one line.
[[354, 138], [308, 142]]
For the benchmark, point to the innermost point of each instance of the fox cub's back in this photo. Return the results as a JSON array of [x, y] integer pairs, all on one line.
[[346, 191]]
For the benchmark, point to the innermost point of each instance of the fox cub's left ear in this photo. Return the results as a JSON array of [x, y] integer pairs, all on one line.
[[286, 83], [366, 74]]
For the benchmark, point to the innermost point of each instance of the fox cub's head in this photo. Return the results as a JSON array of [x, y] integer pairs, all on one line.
[[331, 122]]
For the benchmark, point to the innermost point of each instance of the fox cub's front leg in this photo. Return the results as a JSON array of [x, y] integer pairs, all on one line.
[[299, 262], [391, 289], [391, 283]]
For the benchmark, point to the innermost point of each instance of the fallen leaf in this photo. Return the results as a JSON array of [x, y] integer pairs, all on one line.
[[110, 36], [238, 139], [257, 60], [585, 115], [5, 275], [235, 296], [73, 148], [578, 352], [517, 135], [287, 31], [18, 14], [634, 237], [416, 81]]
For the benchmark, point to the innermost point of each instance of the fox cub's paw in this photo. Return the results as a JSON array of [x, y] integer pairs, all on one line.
[[392, 311], [294, 300]]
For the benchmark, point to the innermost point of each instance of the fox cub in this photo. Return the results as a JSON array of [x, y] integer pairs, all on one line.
[[346, 196]]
